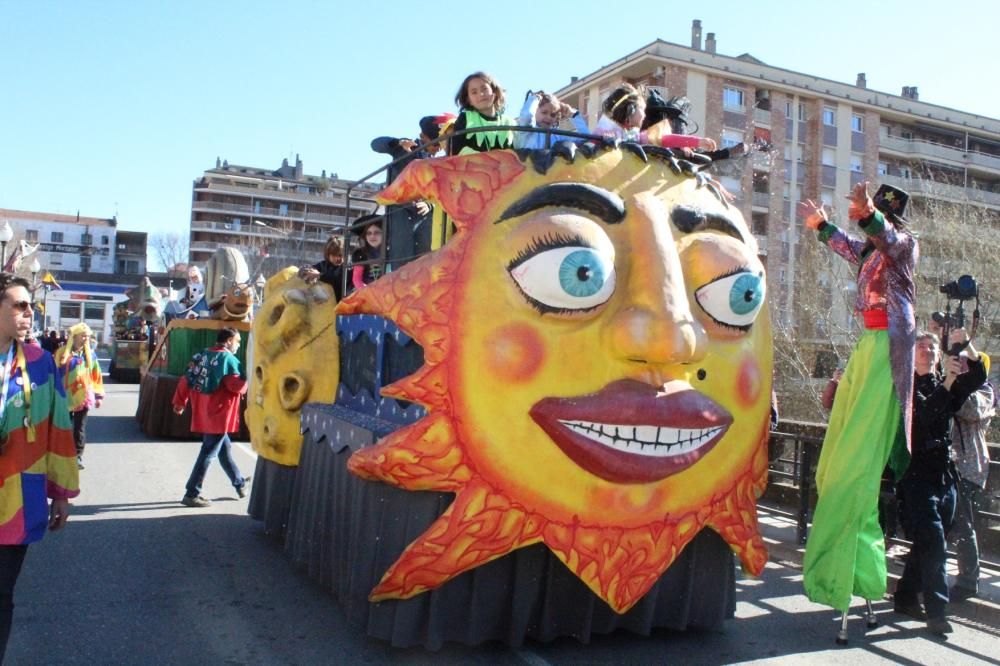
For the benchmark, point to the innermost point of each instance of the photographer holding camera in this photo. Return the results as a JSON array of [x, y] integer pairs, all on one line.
[[928, 488]]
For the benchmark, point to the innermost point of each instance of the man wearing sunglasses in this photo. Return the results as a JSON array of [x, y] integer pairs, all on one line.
[[37, 454]]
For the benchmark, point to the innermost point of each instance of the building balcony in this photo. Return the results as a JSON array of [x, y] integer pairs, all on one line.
[[936, 190], [761, 199], [761, 244], [762, 117], [937, 151]]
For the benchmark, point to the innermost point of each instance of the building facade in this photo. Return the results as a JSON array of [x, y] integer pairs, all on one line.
[[825, 136], [93, 262], [276, 217]]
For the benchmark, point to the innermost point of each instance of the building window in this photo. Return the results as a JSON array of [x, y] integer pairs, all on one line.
[[283, 210], [788, 110], [84, 263], [856, 163], [31, 235], [93, 311], [731, 138], [802, 112], [732, 99], [857, 123], [829, 116], [104, 240], [128, 266], [883, 168], [829, 157], [57, 237], [69, 310], [55, 258], [826, 196], [86, 239]]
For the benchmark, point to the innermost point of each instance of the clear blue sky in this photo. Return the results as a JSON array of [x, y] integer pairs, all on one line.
[[109, 106]]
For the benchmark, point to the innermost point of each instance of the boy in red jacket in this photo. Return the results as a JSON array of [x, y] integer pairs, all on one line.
[[214, 385]]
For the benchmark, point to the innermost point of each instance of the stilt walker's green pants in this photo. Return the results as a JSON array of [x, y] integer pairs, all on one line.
[[845, 552]]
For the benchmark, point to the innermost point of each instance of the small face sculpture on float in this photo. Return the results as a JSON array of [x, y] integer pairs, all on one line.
[[597, 367], [295, 360]]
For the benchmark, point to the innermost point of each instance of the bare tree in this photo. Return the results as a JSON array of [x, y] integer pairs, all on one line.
[[171, 249]]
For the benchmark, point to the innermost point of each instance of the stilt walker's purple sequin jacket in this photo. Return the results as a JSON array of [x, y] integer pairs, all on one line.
[[886, 260]]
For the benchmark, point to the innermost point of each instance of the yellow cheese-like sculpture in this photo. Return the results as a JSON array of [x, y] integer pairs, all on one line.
[[295, 361]]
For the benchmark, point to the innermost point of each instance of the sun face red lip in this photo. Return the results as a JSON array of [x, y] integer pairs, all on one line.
[[631, 432]]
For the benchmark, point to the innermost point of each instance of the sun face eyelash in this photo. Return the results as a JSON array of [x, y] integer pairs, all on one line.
[[549, 241]]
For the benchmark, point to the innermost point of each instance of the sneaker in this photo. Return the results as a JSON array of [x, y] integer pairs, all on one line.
[[939, 625], [911, 608], [79, 463], [243, 490], [958, 593], [198, 502]]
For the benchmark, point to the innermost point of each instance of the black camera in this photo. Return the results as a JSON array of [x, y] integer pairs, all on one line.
[[962, 289]]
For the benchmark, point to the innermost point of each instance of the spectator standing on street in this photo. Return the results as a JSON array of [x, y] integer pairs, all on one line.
[[214, 384], [81, 380], [36, 446], [972, 460], [928, 488]]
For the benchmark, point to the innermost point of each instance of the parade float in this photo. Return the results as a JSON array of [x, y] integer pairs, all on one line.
[[137, 323], [553, 424], [229, 300]]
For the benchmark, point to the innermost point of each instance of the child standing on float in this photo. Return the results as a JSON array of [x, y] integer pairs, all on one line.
[[482, 101], [624, 113]]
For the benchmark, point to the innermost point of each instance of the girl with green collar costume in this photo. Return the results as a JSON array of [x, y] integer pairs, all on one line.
[[482, 102]]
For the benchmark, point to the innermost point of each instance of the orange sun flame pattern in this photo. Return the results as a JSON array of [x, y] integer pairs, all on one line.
[[618, 564]]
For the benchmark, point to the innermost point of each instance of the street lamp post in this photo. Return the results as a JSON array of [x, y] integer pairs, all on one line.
[[34, 268], [6, 234], [260, 282]]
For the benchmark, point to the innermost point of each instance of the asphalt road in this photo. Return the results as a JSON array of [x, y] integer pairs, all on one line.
[[136, 578]]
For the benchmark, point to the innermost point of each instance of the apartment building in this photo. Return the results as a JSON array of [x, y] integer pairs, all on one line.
[[277, 217], [93, 261], [826, 136]]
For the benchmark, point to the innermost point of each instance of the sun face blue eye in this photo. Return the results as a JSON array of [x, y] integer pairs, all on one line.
[[566, 279], [733, 300], [581, 273]]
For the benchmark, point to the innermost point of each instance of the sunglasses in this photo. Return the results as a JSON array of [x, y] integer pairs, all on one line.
[[23, 307]]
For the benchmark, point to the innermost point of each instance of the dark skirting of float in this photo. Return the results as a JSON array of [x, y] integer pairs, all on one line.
[[155, 412], [271, 498], [345, 532]]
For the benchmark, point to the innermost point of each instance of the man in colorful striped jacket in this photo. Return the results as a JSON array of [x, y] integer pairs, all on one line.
[[37, 454]]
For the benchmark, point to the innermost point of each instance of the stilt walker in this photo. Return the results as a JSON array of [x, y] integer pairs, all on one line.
[[870, 422]]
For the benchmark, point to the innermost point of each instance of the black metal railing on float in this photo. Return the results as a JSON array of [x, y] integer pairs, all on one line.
[[793, 458], [396, 256]]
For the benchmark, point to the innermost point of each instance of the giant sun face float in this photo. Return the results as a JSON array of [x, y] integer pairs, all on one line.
[[597, 368]]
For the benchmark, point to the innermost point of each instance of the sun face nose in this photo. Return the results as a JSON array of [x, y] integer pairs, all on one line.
[[654, 323]]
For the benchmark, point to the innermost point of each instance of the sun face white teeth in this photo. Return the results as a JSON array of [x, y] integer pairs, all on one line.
[[652, 441]]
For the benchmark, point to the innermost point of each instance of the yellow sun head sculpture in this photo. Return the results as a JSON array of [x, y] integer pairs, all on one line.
[[295, 360], [597, 368]]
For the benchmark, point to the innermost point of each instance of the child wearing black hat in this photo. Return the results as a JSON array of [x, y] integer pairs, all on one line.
[[366, 264]]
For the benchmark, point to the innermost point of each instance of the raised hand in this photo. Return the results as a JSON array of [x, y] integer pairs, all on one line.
[[813, 214], [861, 202]]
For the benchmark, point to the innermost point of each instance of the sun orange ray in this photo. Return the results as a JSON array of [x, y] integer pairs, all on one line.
[[478, 527], [420, 456], [427, 386]]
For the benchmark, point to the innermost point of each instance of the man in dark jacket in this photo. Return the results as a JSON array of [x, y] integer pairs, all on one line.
[[928, 488]]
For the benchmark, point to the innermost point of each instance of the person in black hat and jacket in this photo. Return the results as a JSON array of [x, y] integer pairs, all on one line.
[[366, 265]]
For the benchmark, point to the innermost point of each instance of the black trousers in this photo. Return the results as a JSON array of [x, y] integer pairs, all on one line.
[[11, 558], [80, 430]]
